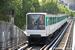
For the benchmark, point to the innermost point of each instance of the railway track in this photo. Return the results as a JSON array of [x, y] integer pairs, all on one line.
[[54, 45], [63, 42], [46, 47]]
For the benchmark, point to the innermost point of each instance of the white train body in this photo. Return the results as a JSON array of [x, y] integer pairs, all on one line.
[[46, 28]]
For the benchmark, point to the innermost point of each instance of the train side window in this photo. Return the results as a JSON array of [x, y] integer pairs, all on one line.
[[50, 20], [62, 18], [58, 19], [53, 20]]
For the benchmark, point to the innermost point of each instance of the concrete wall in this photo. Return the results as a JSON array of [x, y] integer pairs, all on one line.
[[70, 1], [71, 4]]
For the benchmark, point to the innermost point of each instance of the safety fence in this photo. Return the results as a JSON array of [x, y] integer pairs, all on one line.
[[10, 35]]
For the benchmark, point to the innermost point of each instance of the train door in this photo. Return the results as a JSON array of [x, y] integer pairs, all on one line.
[[47, 26]]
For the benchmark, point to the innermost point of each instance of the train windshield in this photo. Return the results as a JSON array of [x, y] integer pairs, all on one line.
[[36, 22]]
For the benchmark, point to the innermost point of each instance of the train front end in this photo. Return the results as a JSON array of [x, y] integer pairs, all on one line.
[[35, 26]]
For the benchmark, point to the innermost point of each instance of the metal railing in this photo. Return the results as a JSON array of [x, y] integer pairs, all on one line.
[[10, 35]]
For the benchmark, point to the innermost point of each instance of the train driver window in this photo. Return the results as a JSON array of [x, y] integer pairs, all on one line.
[[35, 22]]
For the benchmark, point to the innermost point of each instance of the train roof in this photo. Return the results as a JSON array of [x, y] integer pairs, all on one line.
[[50, 15], [36, 13], [56, 15]]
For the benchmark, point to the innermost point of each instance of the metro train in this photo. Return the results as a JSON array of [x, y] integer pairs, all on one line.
[[39, 26]]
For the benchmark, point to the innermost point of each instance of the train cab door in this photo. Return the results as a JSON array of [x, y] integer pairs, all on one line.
[[47, 26]]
